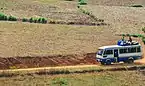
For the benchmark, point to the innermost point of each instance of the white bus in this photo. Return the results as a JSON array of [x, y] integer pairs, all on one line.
[[117, 53]]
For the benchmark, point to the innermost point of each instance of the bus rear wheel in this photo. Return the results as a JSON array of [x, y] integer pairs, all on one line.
[[130, 61]]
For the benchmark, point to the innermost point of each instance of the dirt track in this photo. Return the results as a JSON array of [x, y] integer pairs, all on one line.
[[51, 61]]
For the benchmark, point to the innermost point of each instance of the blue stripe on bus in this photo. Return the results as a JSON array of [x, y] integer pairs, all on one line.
[[119, 59]]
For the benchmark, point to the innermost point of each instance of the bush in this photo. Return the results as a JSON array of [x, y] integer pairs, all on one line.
[[136, 6], [12, 18], [35, 20], [38, 20], [31, 20], [60, 82], [24, 20], [143, 40], [3, 16], [44, 20], [52, 22], [143, 29], [82, 2]]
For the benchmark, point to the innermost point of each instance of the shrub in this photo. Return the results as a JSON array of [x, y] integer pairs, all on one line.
[[38, 20], [136, 6], [3, 16], [78, 6], [12, 18], [44, 20], [35, 20], [24, 20], [143, 40], [143, 29], [52, 22], [31, 20], [82, 2], [60, 81], [88, 13]]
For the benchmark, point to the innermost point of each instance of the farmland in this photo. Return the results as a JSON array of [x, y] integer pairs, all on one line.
[[29, 45]]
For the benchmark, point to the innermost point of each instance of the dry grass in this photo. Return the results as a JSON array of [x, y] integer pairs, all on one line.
[[57, 10], [116, 2], [122, 19], [123, 78], [23, 39]]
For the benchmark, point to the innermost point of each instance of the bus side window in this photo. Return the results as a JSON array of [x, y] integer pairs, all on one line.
[[129, 50], [108, 52], [133, 49], [138, 49], [123, 51]]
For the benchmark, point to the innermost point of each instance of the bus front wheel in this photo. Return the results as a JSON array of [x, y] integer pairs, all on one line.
[[108, 62]]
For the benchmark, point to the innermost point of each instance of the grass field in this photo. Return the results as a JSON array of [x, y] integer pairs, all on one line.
[[123, 78]]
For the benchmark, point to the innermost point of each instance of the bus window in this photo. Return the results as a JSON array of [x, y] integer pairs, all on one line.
[[122, 51], [100, 52], [129, 50], [138, 49], [108, 52], [133, 49]]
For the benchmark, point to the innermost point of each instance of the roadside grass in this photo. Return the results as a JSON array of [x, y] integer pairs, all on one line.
[[116, 78], [48, 1]]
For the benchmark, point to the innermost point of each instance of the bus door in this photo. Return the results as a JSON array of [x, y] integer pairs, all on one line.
[[116, 55]]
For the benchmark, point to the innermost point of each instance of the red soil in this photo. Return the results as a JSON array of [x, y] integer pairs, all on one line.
[[58, 60]]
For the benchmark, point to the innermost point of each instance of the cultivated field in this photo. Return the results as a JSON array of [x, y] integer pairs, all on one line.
[[27, 45], [24, 39]]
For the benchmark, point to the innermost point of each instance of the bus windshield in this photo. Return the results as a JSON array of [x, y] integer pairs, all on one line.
[[100, 52]]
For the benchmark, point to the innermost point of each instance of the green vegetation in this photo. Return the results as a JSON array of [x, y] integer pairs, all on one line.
[[9, 18], [12, 18], [82, 2], [31, 20], [143, 29], [37, 20], [3, 16], [136, 6], [60, 82], [24, 20]]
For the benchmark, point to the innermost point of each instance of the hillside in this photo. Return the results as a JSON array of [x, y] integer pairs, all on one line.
[[40, 46], [22, 39]]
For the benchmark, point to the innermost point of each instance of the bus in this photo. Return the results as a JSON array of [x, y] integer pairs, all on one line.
[[116, 53]]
